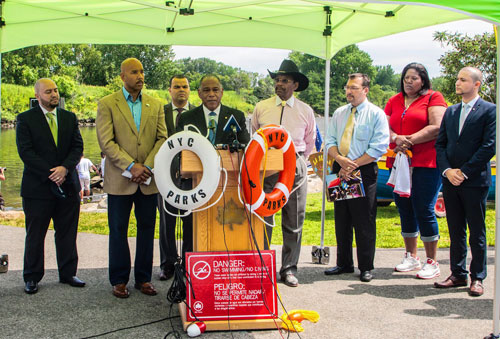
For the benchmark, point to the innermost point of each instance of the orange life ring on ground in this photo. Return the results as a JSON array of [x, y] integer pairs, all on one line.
[[256, 200]]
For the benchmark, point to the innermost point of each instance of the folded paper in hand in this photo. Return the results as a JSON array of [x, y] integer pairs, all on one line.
[[342, 189], [128, 174]]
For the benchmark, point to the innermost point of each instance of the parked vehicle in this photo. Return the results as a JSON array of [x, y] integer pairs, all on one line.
[[384, 192]]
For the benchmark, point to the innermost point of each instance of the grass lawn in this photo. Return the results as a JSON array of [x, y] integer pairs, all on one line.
[[388, 225]]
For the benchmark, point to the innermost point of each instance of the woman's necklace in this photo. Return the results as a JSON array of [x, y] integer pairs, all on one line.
[[409, 101]]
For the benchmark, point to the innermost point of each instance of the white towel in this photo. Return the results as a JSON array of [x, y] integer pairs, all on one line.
[[400, 178]]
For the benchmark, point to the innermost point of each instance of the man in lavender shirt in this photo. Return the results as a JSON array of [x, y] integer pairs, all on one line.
[[298, 119]]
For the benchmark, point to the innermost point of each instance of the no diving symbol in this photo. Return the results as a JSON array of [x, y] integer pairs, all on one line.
[[201, 270]]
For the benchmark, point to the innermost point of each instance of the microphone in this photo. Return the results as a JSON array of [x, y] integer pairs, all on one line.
[[211, 124], [232, 125]]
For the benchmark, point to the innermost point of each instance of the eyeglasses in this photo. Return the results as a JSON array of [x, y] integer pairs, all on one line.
[[352, 88], [284, 81]]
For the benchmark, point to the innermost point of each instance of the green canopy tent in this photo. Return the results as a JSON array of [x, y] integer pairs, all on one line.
[[319, 28]]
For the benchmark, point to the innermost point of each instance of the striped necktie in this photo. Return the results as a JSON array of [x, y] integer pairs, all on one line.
[[53, 125], [345, 142]]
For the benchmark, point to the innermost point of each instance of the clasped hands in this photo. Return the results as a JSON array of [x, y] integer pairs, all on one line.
[[140, 173], [347, 166], [455, 176], [58, 175], [403, 143]]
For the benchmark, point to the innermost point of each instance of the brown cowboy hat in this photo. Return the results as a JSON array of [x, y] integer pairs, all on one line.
[[288, 67]]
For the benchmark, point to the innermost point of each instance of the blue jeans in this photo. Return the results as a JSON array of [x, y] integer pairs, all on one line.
[[417, 211]]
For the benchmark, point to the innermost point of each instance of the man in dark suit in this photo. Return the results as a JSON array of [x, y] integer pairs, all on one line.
[[465, 145], [50, 145], [179, 92], [211, 117]]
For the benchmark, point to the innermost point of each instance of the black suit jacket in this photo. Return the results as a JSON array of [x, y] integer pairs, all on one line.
[[196, 117], [169, 118], [472, 149], [39, 152]]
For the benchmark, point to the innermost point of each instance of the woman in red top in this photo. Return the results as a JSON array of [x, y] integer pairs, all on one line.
[[414, 118]]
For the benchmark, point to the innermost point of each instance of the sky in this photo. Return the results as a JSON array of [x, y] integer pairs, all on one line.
[[397, 50]]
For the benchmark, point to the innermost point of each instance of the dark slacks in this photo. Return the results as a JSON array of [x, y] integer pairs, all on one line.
[[119, 207], [360, 214], [168, 247], [292, 219], [466, 206], [38, 213]]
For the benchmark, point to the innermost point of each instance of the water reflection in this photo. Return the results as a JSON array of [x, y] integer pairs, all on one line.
[[9, 158]]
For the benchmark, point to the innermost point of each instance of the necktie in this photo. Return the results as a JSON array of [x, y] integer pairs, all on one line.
[[53, 125], [179, 111], [345, 142], [463, 116], [212, 127]]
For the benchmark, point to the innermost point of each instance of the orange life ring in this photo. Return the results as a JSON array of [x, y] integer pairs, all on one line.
[[256, 200]]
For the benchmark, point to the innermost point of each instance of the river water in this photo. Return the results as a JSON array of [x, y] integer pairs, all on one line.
[[9, 158]]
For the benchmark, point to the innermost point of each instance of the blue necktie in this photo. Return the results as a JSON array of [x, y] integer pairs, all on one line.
[[212, 127]]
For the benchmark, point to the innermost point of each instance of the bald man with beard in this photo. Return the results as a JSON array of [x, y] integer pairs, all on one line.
[[50, 145], [130, 130]]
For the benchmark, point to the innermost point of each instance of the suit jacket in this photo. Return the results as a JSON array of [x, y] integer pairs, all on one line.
[[196, 117], [123, 144], [472, 149], [169, 117], [38, 151]]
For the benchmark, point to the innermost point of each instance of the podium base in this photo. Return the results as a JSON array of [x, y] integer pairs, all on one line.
[[234, 325]]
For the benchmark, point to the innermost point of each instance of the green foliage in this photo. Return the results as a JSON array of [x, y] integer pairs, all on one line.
[[348, 60], [477, 51], [386, 78], [15, 99], [378, 96], [65, 85], [264, 88], [83, 99]]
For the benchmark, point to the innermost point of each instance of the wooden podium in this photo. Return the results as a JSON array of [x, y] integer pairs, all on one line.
[[225, 226]]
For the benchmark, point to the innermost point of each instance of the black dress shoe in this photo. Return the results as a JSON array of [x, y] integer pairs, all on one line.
[[31, 287], [73, 281], [339, 270], [166, 273], [366, 276]]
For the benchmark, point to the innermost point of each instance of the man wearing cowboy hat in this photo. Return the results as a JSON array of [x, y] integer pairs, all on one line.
[[298, 118]]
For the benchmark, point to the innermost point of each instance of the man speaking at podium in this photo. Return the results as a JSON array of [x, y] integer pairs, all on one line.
[[211, 116], [298, 119]]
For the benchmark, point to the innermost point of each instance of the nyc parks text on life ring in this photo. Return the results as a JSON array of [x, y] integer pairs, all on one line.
[[201, 194]]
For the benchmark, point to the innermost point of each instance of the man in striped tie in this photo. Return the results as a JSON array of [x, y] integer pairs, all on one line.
[[357, 136]]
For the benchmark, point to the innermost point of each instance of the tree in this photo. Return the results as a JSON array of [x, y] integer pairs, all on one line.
[[386, 78], [348, 60], [478, 51]]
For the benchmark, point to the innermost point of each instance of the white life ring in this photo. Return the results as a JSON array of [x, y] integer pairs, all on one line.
[[210, 160]]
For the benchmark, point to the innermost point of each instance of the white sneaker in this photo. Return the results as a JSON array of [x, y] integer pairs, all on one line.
[[408, 264], [429, 270]]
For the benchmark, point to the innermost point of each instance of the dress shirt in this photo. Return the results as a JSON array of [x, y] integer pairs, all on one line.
[[45, 111], [135, 107], [298, 120], [470, 104], [371, 130]]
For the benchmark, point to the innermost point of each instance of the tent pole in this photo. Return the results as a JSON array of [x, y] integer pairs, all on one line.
[[325, 151], [496, 299]]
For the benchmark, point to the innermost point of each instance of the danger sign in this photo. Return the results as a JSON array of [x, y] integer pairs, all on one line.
[[231, 285]]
